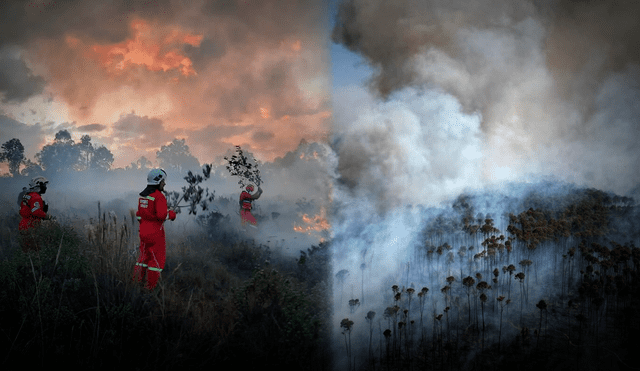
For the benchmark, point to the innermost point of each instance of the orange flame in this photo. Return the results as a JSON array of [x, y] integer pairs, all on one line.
[[309, 157], [317, 223]]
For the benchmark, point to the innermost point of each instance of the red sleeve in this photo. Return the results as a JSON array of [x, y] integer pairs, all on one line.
[[161, 206], [35, 205]]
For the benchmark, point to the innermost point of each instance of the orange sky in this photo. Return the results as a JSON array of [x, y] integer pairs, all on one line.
[[254, 74]]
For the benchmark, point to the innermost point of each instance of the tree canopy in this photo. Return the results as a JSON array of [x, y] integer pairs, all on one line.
[[176, 156], [64, 154], [13, 154]]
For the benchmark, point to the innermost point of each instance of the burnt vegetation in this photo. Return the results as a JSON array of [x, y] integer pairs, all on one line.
[[554, 283]]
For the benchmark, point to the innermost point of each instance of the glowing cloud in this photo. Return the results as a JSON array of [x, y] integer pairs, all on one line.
[[147, 48]]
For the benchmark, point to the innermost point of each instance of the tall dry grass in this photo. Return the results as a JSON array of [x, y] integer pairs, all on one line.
[[74, 302]]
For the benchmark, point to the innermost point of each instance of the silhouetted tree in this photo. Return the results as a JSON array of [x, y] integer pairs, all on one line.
[[65, 154], [63, 136], [94, 158], [86, 152], [13, 154], [31, 169], [60, 155], [144, 163], [176, 156], [102, 159]]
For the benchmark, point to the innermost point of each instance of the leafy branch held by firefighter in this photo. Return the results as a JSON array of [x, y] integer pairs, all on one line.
[[239, 165]]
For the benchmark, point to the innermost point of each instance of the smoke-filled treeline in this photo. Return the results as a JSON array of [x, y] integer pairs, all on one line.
[[544, 273], [296, 186], [228, 294]]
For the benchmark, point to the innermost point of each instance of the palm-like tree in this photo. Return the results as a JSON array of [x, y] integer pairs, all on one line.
[[370, 316], [483, 299], [421, 298], [520, 278], [503, 303], [468, 283], [542, 305], [346, 325]]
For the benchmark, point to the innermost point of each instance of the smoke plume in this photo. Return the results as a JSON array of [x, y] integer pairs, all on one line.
[[553, 84]]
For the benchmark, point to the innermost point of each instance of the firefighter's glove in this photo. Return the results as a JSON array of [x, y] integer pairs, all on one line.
[[172, 215], [45, 207]]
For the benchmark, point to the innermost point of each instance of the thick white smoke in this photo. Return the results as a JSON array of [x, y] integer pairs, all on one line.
[[415, 148], [418, 148], [546, 105]]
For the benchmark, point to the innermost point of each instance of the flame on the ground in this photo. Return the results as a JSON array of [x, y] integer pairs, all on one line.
[[316, 223]]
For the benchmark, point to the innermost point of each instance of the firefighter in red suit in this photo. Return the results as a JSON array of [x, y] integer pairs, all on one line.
[[152, 213], [33, 211], [245, 205]]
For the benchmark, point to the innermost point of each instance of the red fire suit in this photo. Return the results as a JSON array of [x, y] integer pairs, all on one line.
[[245, 208], [32, 213], [152, 212]]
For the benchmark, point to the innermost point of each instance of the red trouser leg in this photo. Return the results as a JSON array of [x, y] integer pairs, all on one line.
[[141, 267], [155, 255], [246, 216]]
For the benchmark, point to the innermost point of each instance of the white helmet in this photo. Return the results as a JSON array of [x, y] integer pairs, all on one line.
[[38, 182], [156, 176]]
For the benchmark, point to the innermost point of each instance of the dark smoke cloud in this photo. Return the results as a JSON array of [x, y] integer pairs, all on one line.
[[594, 38], [276, 19], [31, 136], [145, 131], [588, 41], [390, 34], [17, 82], [263, 136], [23, 21], [92, 127]]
